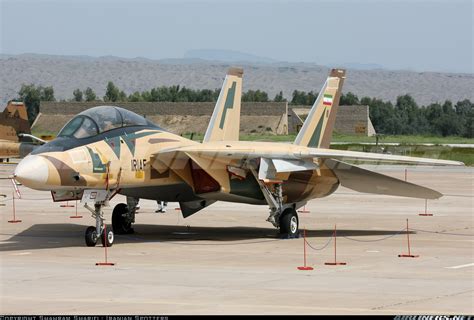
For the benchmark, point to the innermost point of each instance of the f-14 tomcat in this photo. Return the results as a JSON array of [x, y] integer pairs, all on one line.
[[107, 150]]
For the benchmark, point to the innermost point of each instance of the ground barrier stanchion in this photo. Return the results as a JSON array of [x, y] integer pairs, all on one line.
[[15, 220], [426, 213], [106, 263], [75, 216], [406, 174], [335, 263], [305, 267], [409, 255]]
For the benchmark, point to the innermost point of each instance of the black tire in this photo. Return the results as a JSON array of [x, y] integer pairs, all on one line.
[[91, 236], [107, 241], [289, 223], [120, 223]]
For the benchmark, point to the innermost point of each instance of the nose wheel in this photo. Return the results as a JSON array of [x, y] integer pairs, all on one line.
[[92, 233], [91, 236], [107, 238]]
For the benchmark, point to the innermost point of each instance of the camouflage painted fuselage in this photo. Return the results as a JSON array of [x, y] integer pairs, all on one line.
[[126, 159]]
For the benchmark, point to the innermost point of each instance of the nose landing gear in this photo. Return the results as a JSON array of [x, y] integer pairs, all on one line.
[[92, 233]]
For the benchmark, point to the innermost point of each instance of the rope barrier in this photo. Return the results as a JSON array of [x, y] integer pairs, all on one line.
[[323, 247], [444, 233], [376, 240]]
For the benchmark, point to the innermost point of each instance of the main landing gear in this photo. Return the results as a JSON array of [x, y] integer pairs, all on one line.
[[282, 216], [100, 231], [123, 217]]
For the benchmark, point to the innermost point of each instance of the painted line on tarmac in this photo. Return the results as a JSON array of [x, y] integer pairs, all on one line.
[[461, 266]]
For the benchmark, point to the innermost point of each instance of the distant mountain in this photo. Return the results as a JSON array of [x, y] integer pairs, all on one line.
[[226, 56], [67, 73], [362, 66]]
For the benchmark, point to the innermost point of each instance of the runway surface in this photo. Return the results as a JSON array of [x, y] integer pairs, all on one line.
[[227, 259]]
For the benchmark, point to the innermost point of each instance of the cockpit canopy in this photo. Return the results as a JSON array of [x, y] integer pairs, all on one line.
[[96, 120]]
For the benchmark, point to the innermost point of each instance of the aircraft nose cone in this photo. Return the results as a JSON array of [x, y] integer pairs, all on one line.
[[32, 172]]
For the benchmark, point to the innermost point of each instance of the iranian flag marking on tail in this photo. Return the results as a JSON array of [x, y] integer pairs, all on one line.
[[327, 100]]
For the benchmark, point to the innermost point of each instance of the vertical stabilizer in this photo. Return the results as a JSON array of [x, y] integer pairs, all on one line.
[[318, 126], [13, 121], [225, 120]]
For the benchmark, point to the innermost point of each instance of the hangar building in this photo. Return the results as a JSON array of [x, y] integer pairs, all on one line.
[[186, 117]]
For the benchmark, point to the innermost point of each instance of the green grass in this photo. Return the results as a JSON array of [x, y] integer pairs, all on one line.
[[403, 139], [362, 139]]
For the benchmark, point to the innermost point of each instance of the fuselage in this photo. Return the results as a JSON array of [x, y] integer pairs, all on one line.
[[125, 158]]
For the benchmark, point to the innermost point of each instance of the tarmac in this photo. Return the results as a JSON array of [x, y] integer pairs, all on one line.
[[227, 259]]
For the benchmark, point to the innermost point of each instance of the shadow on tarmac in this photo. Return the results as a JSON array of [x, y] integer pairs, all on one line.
[[50, 236]]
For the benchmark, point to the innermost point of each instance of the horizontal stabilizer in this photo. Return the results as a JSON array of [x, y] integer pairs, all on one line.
[[363, 180]]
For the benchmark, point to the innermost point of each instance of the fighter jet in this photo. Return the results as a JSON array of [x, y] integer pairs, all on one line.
[[16, 140], [108, 150]]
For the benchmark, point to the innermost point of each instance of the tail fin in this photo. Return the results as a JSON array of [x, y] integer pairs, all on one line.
[[317, 129], [225, 120], [14, 121]]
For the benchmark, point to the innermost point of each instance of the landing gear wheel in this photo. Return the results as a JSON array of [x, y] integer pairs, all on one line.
[[108, 240], [91, 236], [120, 222], [289, 223]]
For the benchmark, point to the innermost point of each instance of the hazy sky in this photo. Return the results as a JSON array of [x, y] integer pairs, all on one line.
[[420, 35]]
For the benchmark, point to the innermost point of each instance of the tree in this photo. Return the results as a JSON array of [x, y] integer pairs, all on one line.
[[299, 98], [47, 93], [382, 115], [32, 96], [77, 95], [448, 123], [122, 96], [407, 112], [255, 96], [112, 93], [349, 99], [303, 98], [135, 97], [468, 130], [90, 94], [465, 112], [279, 97]]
